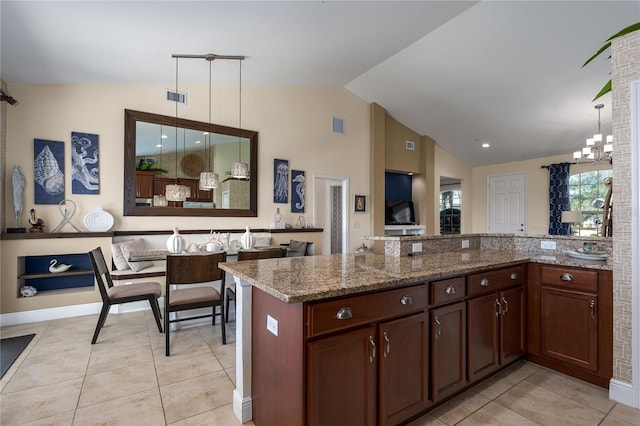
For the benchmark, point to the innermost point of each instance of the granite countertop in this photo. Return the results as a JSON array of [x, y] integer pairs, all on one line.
[[312, 278]]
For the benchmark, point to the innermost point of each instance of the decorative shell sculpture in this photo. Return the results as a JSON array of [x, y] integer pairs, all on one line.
[[47, 173], [17, 183]]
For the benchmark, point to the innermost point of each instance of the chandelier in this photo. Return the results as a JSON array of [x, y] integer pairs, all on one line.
[[597, 148]]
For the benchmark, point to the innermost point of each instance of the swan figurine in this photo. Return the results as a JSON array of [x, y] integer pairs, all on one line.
[[59, 268]]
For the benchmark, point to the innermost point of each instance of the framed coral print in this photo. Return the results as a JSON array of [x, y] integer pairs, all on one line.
[[48, 171], [360, 204], [85, 178]]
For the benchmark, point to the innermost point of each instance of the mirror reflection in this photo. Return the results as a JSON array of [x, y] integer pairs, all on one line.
[[162, 150]]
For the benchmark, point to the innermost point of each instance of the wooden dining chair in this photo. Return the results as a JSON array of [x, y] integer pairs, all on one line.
[[253, 254], [184, 271], [113, 295]]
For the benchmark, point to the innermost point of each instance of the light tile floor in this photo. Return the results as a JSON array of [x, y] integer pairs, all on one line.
[[125, 379]]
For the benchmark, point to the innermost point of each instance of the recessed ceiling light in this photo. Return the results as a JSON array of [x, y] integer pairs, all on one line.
[[159, 145], [486, 145], [164, 136], [198, 142]]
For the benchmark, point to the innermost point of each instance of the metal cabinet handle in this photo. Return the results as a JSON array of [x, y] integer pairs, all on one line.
[[567, 277], [438, 327], [372, 350], [592, 309], [499, 306], [514, 276], [344, 313], [387, 344], [451, 289], [506, 305], [406, 300], [484, 282]]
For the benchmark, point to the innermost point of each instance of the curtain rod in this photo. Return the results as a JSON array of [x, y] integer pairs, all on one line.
[[549, 165]]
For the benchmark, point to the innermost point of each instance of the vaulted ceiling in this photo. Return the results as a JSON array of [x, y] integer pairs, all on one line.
[[463, 72]]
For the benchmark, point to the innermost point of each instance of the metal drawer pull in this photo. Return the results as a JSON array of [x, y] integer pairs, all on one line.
[[438, 327], [484, 282], [506, 305], [387, 344], [566, 277], [344, 313], [592, 309], [514, 276], [499, 310], [406, 300], [372, 353], [450, 289]]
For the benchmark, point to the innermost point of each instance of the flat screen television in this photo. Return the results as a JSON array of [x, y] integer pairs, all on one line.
[[399, 213]]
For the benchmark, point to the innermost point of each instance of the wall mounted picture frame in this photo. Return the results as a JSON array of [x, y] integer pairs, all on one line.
[[297, 191], [280, 181], [48, 171], [85, 162], [359, 203]]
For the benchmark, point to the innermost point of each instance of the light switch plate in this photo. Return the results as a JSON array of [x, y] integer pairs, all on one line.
[[416, 247], [547, 245], [465, 243], [272, 325]]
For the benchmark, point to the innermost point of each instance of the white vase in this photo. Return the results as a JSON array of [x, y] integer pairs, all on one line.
[[175, 243], [248, 240]]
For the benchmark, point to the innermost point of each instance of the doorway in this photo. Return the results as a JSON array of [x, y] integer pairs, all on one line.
[[507, 203], [450, 209], [330, 212]]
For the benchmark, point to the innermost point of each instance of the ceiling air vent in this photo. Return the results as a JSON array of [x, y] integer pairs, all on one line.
[[173, 96], [338, 125]]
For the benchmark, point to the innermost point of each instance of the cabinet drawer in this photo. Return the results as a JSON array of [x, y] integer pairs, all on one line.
[[325, 317], [570, 278], [496, 280], [447, 290]]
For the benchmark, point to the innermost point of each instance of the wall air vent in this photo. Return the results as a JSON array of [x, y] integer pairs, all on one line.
[[173, 96], [410, 145], [337, 125]]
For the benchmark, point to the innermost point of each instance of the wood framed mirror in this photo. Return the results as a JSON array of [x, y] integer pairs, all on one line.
[[160, 150]]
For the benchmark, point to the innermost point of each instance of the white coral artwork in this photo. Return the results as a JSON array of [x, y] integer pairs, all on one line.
[[84, 161]]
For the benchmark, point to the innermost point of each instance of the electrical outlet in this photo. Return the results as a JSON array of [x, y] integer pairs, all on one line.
[[272, 325], [355, 225], [465, 243], [548, 245], [416, 247]]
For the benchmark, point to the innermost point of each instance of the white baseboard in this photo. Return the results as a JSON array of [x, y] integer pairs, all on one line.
[[49, 314], [242, 407], [622, 392]]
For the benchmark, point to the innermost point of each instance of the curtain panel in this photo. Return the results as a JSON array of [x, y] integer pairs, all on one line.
[[558, 198]]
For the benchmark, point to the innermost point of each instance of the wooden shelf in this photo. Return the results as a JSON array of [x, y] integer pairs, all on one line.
[[43, 235], [37, 275]]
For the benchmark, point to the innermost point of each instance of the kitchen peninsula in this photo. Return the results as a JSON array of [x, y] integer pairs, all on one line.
[[380, 339]]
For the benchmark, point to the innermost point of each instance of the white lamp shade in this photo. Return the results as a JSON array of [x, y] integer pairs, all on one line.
[[159, 201], [609, 138], [240, 170], [608, 148], [209, 181], [573, 216], [597, 138], [177, 192], [586, 151], [590, 142], [577, 155]]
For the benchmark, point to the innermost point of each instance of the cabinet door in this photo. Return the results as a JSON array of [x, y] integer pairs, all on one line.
[[512, 325], [342, 379], [482, 335], [404, 368], [144, 184], [569, 327], [448, 350]]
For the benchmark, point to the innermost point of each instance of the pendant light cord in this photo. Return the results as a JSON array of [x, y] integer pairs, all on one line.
[[240, 115], [176, 161], [209, 135]]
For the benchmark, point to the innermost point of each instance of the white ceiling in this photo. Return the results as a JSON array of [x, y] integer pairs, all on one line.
[[504, 72]]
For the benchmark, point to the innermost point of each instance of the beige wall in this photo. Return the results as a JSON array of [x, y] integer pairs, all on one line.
[[537, 189], [397, 156], [294, 123]]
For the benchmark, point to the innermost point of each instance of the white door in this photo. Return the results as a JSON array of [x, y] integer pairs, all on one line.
[[332, 216], [507, 196]]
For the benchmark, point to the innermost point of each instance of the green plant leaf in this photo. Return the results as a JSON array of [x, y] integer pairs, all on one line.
[[595, 55], [605, 89], [631, 28]]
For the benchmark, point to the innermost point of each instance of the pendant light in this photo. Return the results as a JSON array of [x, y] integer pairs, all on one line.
[[176, 192], [208, 179], [240, 170], [596, 149]]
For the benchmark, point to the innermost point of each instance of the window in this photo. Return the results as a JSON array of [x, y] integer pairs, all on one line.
[[587, 193], [450, 209]]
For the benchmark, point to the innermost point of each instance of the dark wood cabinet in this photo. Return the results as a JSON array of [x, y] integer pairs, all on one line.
[[404, 373], [196, 193], [495, 320], [571, 316], [144, 184], [342, 379], [448, 350]]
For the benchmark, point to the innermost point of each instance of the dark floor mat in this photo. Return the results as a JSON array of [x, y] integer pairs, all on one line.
[[10, 350]]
